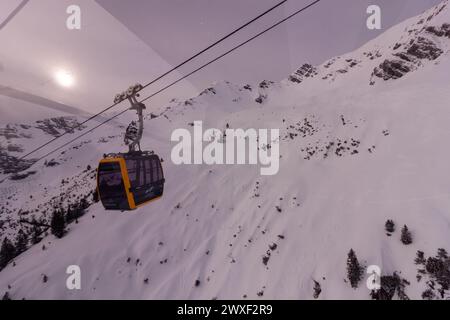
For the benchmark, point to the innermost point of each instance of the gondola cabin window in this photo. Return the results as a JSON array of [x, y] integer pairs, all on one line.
[[155, 170], [132, 170], [111, 186], [148, 171]]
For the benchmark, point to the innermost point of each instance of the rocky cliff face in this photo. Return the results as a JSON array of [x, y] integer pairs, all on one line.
[[425, 45], [13, 137], [404, 49]]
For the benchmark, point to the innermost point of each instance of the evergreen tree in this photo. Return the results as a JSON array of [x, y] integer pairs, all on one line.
[[317, 289], [406, 236], [428, 294], [82, 208], [6, 296], [442, 254], [7, 253], [390, 226], [391, 284], [35, 232], [77, 211], [58, 224], [95, 197], [70, 214], [420, 258], [21, 242], [84, 204], [354, 269]]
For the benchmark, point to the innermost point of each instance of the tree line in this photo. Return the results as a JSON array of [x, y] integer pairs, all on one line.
[[60, 218]]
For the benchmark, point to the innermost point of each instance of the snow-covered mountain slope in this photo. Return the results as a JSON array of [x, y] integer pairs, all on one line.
[[357, 148], [411, 45]]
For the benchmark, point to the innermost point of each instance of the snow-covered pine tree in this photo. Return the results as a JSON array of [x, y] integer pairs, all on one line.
[[390, 226], [95, 196], [317, 289], [406, 236], [354, 269], [420, 258], [58, 224], [442, 254], [6, 296], [69, 215], [35, 232]]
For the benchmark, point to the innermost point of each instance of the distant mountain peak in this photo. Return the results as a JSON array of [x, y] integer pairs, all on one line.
[[400, 50]]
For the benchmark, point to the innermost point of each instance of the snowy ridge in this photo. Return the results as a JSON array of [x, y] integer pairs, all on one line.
[[353, 155], [404, 48]]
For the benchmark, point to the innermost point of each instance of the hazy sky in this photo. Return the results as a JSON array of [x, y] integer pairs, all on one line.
[[177, 28], [123, 42]]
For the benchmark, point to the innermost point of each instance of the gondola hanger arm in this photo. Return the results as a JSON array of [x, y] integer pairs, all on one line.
[[133, 135]]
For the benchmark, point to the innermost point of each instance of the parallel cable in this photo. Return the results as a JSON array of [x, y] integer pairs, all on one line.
[[13, 14], [189, 74], [79, 125], [81, 135], [232, 49]]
